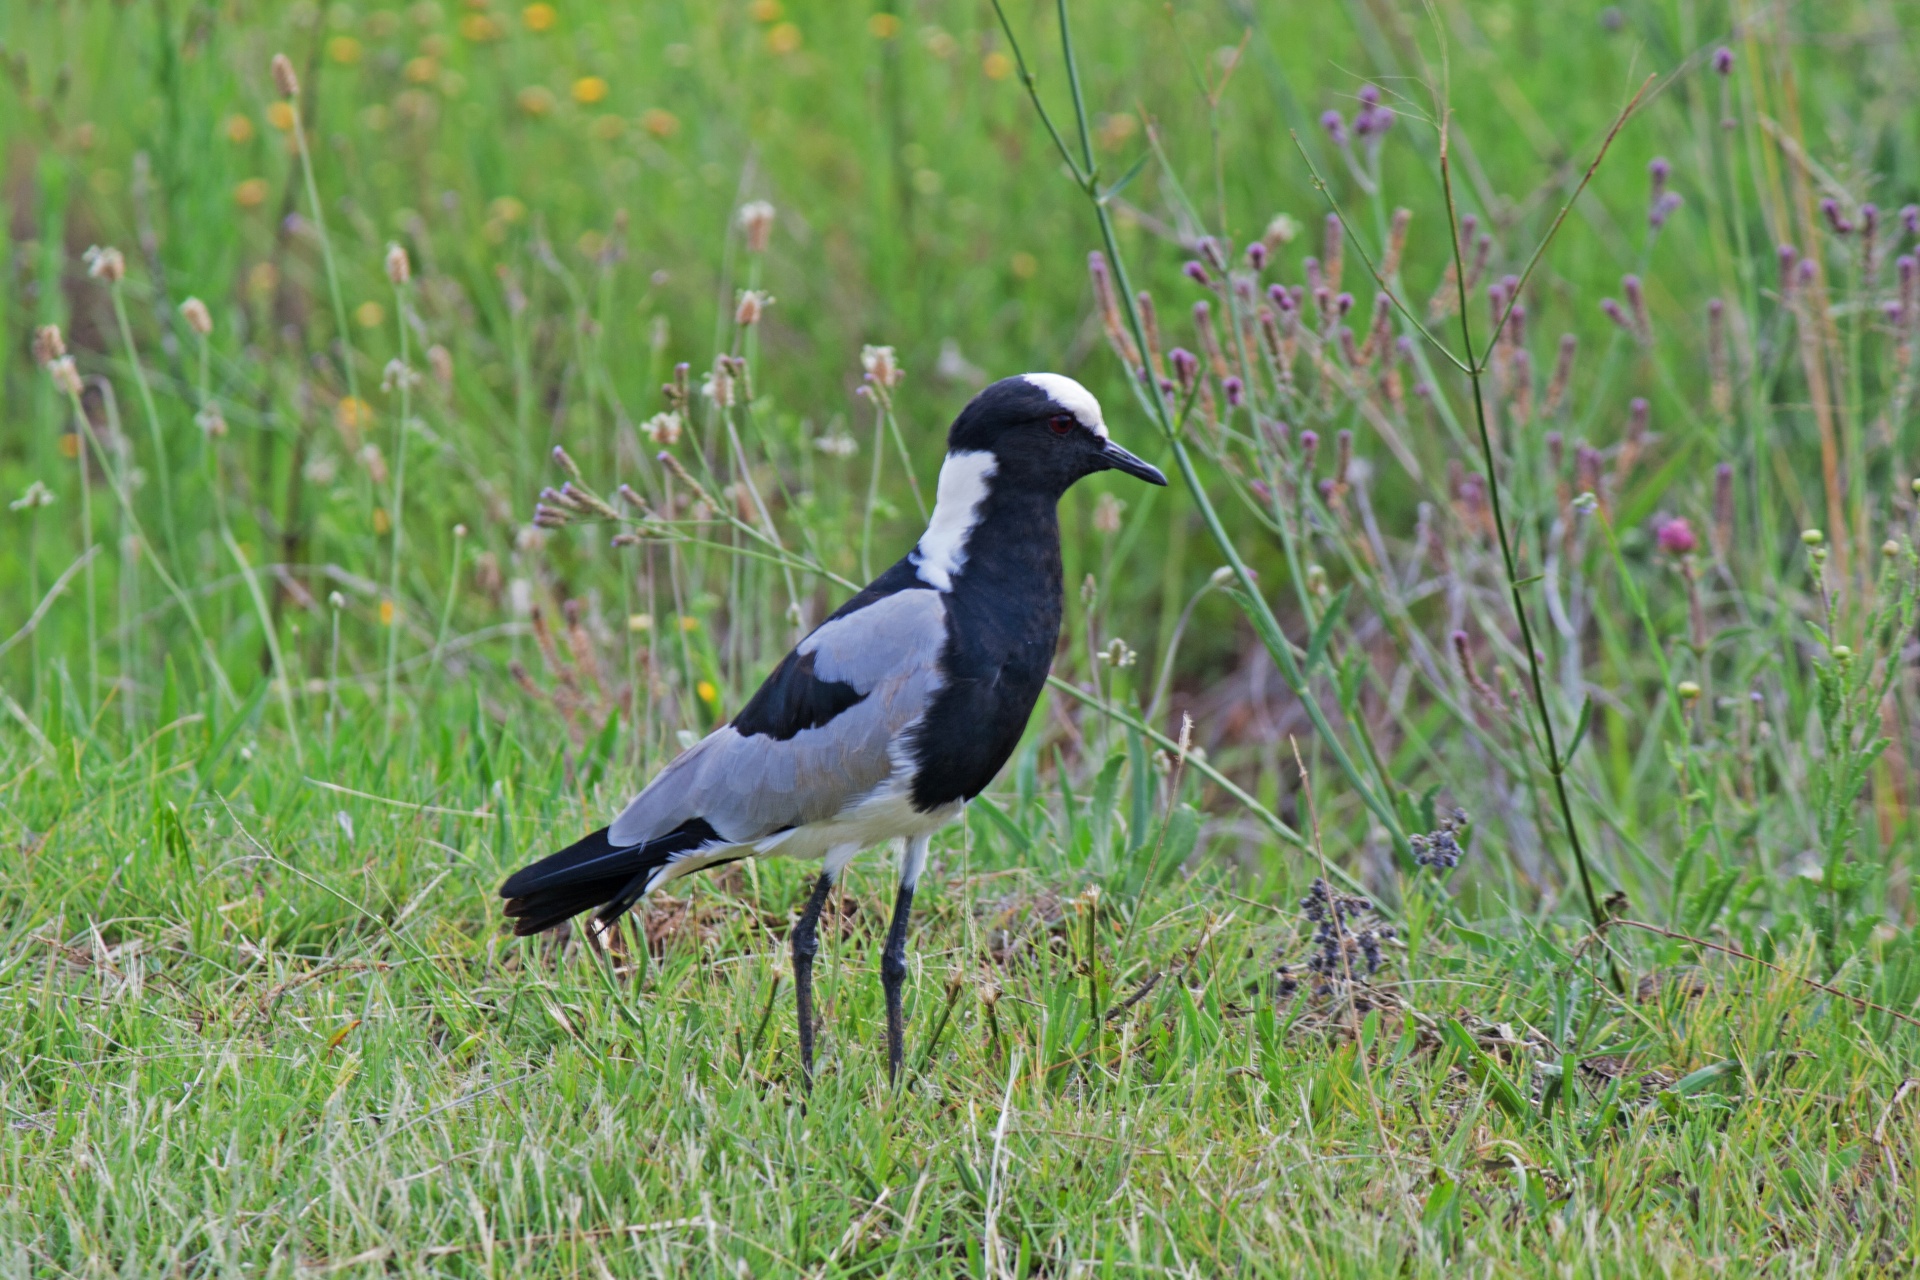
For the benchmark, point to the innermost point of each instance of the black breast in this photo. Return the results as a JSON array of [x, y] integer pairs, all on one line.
[[1003, 620]]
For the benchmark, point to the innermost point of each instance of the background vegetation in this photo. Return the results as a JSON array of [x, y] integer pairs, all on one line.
[[293, 669]]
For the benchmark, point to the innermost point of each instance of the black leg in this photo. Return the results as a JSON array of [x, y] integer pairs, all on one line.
[[893, 975], [806, 945]]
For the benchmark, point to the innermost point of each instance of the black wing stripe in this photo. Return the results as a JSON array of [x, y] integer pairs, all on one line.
[[794, 698]]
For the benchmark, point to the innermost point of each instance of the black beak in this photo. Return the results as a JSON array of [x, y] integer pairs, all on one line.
[[1119, 459]]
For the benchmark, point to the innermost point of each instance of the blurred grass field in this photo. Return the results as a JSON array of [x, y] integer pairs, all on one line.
[[290, 676]]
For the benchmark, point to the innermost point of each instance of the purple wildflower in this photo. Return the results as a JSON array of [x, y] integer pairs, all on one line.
[[1676, 537], [1186, 366], [1663, 208], [1723, 61], [1336, 126]]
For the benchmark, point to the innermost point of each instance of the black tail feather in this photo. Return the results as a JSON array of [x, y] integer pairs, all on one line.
[[593, 872]]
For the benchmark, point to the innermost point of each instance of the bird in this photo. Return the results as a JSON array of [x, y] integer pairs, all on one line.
[[884, 721]]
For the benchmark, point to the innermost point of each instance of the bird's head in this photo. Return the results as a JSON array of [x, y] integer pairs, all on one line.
[[1044, 430]]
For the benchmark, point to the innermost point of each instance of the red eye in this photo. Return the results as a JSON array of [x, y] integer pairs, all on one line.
[[1061, 423]]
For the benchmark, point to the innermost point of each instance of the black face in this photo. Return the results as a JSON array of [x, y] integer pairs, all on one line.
[[1038, 441]]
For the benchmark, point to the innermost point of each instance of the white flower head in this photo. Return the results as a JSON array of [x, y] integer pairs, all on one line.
[[37, 495], [881, 366], [717, 386], [662, 429], [756, 222]]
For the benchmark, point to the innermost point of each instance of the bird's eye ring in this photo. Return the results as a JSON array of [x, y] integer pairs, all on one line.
[[1060, 423]]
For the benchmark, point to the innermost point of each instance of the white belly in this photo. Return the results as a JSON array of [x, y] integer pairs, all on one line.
[[883, 814]]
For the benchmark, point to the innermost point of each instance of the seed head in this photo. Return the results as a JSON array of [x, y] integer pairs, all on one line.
[[1723, 507], [212, 422], [662, 429], [756, 223], [1663, 208], [718, 386], [1281, 229], [1687, 689], [1236, 391], [753, 303], [564, 460], [198, 318], [399, 270], [1636, 305], [1910, 218], [35, 496], [65, 376], [1836, 220], [440, 360], [1257, 255], [881, 366], [1186, 367], [1562, 372], [106, 264], [1439, 849], [48, 345], [1198, 274], [283, 77]]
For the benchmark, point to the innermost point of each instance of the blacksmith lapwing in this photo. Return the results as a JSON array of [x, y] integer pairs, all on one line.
[[890, 716]]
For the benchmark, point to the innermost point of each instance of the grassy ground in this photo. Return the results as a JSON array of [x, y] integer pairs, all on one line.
[[291, 674]]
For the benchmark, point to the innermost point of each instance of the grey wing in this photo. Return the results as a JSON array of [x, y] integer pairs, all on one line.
[[750, 785]]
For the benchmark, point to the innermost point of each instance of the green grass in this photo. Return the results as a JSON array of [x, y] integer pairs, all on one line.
[[272, 729]]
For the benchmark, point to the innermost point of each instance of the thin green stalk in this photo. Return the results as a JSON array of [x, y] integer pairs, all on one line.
[[164, 473], [334, 605], [326, 249], [391, 614], [86, 545], [873, 491], [446, 610], [1556, 766]]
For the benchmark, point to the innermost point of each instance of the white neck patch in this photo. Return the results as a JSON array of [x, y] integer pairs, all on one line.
[[1072, 397], [963, 487]]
